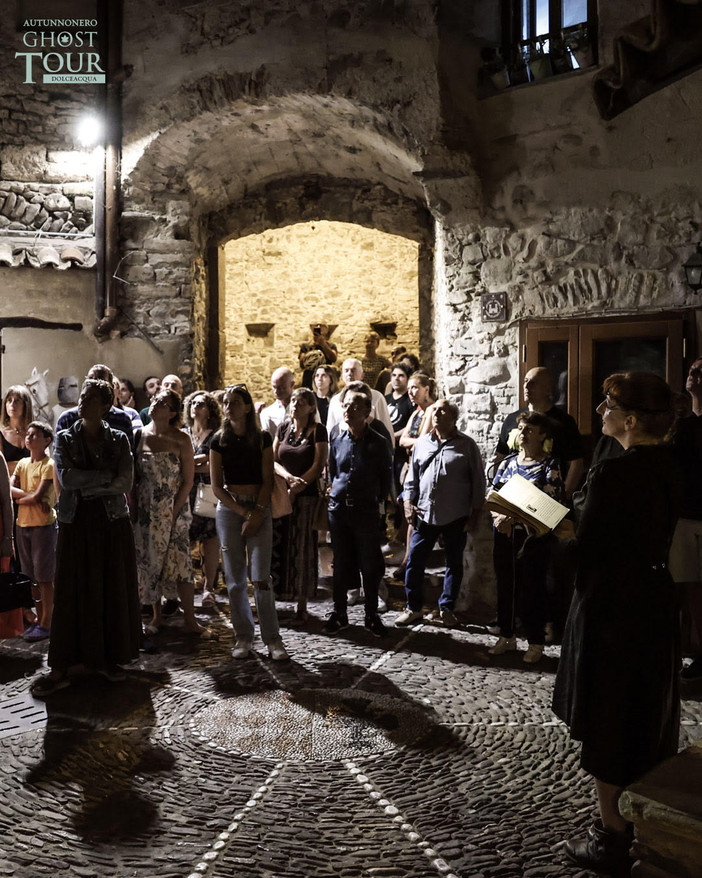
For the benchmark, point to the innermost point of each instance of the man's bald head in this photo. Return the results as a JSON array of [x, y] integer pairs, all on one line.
[[282, 383], [538, 387], [351, 370]]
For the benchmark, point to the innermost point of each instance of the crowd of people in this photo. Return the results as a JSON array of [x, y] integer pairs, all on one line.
[[109, 508]]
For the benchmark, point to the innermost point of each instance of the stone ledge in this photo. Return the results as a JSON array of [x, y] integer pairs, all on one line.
[[666, 810]]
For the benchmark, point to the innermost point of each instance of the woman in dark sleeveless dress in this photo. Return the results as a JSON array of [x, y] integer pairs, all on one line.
[[203, 417], [16, 415], [300, 452]]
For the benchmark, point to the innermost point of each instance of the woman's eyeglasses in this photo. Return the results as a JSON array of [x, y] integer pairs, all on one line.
[[609, 406]]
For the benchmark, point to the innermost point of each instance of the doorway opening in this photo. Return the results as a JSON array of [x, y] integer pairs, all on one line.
[[279, 283]]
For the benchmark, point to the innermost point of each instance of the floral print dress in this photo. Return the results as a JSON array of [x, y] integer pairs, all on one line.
[[162, 548]]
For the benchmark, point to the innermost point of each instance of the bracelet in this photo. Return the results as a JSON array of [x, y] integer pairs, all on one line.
[[258, 506], [249, 514]]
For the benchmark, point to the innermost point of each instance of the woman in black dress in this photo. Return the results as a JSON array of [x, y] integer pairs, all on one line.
[[617, 680], [203, 417], [325, 385], [96, 620], [300, 453]]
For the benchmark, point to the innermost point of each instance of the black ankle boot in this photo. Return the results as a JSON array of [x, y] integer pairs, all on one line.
[[602, 850]]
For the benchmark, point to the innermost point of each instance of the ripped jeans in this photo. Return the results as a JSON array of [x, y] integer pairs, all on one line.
[[248, 558]]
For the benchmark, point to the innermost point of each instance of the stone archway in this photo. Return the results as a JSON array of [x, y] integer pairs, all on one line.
[[371, 207], [231, 166]]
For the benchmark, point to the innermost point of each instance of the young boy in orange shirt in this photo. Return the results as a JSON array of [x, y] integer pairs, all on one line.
[[33, 490]]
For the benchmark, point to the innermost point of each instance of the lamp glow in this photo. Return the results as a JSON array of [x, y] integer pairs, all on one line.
[[90, 130]]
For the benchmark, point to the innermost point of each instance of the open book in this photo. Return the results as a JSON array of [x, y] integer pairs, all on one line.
[[524, 502]]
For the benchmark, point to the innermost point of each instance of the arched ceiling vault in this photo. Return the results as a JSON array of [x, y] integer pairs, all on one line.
[[217, 157]]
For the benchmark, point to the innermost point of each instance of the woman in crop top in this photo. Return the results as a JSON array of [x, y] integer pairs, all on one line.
[[241, 472], [300, 452]]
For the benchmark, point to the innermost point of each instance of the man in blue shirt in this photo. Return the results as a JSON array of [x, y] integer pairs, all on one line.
[[445, 489], [360, 467]]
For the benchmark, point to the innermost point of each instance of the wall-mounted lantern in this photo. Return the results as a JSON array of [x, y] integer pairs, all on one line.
[[693, 270]]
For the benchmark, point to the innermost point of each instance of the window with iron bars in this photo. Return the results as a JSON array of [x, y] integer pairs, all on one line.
[[546, 37]]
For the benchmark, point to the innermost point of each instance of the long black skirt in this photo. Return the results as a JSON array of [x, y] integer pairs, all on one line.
[[96, 619], [617, 681]]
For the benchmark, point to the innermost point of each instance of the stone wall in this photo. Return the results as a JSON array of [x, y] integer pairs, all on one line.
[[31, 207], [336, 273]]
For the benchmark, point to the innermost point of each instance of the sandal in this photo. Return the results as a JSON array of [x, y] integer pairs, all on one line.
[[208, 599], [151, 630], [202, 633], [49, 683]]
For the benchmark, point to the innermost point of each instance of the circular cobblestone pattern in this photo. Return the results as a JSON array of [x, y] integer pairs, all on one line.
[[414, 755], [312, 724]]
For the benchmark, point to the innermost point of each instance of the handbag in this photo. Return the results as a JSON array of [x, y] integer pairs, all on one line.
[[15, 591], [280, 499], [205, 501], [320, 516]]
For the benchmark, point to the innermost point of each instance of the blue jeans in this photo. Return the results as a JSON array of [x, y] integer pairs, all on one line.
[[423, 539], [235, 549], [355, 538]]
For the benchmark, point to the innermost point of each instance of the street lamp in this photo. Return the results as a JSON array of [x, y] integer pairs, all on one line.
[[693, 270]]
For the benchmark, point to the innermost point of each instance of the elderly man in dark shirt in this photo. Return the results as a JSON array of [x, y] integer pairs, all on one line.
[[360, 467], [567, 442], [445, 487]]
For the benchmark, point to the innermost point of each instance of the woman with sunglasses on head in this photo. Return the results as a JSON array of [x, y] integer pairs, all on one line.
[[202, 417], [241, 472], [617, 681], [165, 471]]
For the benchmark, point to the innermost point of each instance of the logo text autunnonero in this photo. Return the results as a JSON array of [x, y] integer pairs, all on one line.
[[61, 50]]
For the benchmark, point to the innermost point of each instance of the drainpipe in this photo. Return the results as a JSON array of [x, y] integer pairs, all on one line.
[[107, 178]]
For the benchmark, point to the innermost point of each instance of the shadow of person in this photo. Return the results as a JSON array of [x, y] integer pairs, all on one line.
[[348, 692], [99, 738], [15, 667], [334, 709]]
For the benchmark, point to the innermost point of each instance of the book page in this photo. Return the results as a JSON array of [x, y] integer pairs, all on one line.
[[532, 500]]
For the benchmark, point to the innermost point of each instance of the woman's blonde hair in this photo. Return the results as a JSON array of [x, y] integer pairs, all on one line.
[[425, 381]]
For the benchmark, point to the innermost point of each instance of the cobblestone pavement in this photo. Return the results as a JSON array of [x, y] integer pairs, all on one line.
[[412, 755]]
